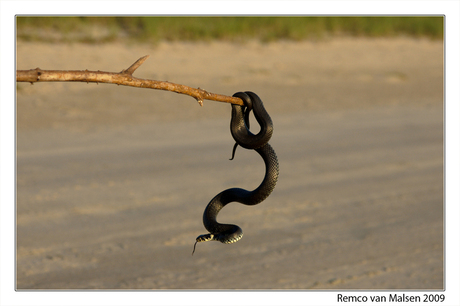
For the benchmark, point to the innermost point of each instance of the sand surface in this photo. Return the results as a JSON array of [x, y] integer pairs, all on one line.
[[112, 181]]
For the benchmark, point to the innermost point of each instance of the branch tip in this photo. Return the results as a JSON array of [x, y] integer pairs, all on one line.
[[136, 65]]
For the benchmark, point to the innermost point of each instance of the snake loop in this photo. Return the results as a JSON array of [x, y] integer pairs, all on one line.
[[239, 127]]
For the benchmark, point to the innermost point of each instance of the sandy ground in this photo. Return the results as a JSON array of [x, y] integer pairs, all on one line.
[[112, 181]]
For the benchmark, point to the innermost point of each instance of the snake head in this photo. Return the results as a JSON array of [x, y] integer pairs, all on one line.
[[203, 238]]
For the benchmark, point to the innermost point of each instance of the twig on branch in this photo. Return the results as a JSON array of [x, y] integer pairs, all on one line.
[[125, 77]]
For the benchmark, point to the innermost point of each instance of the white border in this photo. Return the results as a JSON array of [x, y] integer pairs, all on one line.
[[8, 10]]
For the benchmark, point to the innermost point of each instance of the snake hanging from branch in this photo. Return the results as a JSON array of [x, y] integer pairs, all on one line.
[[239, 127]]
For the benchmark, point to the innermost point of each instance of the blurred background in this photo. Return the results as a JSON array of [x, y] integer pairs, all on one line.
[[265, 29], [112, 181]]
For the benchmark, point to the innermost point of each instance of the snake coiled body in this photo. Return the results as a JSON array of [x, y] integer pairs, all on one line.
[[239, 127]]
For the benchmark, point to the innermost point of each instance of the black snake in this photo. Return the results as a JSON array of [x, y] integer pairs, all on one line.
[[239, 127]]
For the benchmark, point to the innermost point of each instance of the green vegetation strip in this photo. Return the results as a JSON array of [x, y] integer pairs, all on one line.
[[266, 29]]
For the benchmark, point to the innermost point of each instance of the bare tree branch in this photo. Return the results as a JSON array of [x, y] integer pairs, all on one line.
[[125, 77]]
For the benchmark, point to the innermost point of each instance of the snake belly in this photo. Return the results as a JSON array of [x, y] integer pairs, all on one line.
[[239, 126]]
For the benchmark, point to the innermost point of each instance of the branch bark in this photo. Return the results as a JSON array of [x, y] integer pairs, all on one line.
[[125, 77]]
